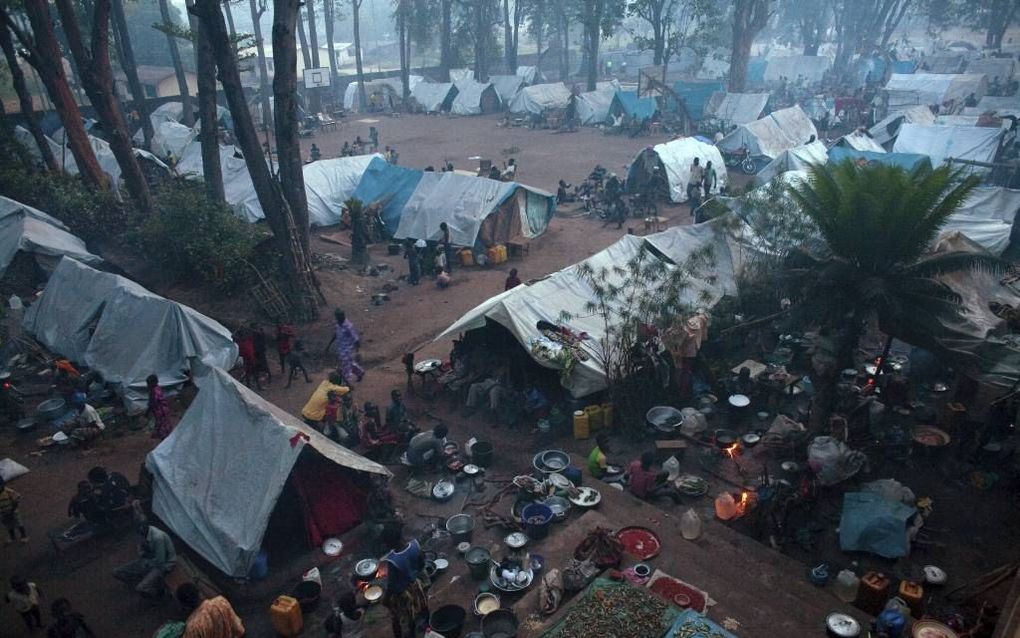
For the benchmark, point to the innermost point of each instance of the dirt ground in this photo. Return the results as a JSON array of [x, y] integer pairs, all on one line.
[[409, 321]]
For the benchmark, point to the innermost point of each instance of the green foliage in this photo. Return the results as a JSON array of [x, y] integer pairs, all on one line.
[[150, 46], [679, 24], [194, 237]]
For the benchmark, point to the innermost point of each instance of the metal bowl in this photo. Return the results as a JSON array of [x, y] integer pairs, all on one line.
[[486, 603], [559, 481], [443, 490], [51, 409], [739, 400], [516, 540], [554, 460], [664, 418], [366, 567], [559, 506], [373, 593]]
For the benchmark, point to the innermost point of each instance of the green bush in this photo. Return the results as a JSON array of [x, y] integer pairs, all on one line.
[[194, 237]]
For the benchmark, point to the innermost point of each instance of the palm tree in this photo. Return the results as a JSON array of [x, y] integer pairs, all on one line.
[[877, 224]]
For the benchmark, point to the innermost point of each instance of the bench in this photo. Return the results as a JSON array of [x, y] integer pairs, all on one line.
[[517, 249]]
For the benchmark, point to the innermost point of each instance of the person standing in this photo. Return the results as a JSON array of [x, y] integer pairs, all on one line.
[[447, 247], [10, 502], [25, 597], [158, 409], [512, 281], [348, 341], [246, 349], [294, 360], [156, 558], [373, 136], [284, 342], [258, 340], [413, 261], [710, 180], [694, 181]]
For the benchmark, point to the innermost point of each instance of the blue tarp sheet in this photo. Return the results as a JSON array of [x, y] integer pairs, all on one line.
[[871, 523], [696, 94], [875, 66], [390, 185], [632, 106], [756, 70], [908, 161], [904, 66]]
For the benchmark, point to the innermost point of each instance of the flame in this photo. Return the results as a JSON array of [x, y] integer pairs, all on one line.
[[732, 450], [745, 503]]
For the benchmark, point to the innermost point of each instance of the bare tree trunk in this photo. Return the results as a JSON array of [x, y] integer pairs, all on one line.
[[402, 41], [538, 25], [209, 139], [564, 47], [42, 51], [288, 146], [230, 20], [359, 68], [274, 205], [328, 16], [592, 38], [25, 100], [260, 47], [175, 57], [445, 34], [306, 55], [127, 62], [749, 18], [97, 78], [507, 38], [481, 41], [314, 97]]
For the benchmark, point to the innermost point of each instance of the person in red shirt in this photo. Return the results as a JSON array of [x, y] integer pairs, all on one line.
[[246, 348], [646, 484], [284, 342]]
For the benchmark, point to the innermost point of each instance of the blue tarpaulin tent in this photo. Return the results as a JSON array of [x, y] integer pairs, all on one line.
[[756, 70], [904, 66], [908, 161], [696, 94], [390, 186], [628, 103]]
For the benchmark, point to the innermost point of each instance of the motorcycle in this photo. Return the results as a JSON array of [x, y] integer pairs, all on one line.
[[740, 158], [11, 402]]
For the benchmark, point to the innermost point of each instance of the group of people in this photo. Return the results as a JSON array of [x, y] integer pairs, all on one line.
[[27, 597], [700, 183], [640, 478], [431, 258], [253, 348]]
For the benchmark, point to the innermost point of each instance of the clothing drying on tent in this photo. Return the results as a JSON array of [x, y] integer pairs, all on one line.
[[521, 309], [736, 108], [675, 159], [798, 158], [123, 331], [475, 98], [432, 97], [25, 229], [236, 451], [476, 209], [540, 98], [772, 134]]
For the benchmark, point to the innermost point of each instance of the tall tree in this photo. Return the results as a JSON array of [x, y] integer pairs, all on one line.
[[175, 57], [229, 13], [1000, 15], [42, 50], [511, 32], [306, 54], [258, 7], [274, 205], [329, 17], [402, 18], [863, 25], [359, 67], [749, 18], [536, 13], [484, 18], [25, 99], [97, 78], [286, 14], [126, 55], [314, 96], [209, 136], [445, 39], [676, 24], [599, 18]]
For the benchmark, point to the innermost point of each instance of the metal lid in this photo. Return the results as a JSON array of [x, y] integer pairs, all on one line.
[[842, 625]]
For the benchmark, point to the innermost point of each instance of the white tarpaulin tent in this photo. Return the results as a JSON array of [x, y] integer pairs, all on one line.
[[886, 130], [171, 138], [218, 476], [772, 134], [329, 183], [987, 217], [529, 74], [736, 108], [860, 141], [910, 89], [540, 97], [23, 228], [104, 154], [811, 67], [593, 106], [798, 158], [237, 184], [466, 203], [1009, 105], [676, 158], [470, 97], [123, 331], [520, 309], [1001, 68], [432, 97], [940, 143], [507, 86]]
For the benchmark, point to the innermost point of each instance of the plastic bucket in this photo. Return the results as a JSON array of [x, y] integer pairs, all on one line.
[[478, 560], [448, 620], [481, 453], [460, 527], [307, 593], [537, 517]]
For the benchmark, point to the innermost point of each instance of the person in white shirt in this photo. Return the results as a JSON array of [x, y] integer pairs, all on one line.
[[87, 424]]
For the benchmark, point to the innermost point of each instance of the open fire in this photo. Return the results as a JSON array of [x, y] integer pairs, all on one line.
[[732, 451]]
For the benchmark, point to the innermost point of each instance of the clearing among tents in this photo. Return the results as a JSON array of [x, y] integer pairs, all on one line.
[[475, 98], [477, 210], [123, 331], [736, 108], [674, 159], [538, 99], [218, 477], [771, 135], [24, 229], [434, 98]]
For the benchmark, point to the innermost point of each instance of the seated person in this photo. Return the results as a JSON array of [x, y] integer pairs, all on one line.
[[597, 461], [510, 171], [742, 383], [83, 506], [315, 410], [480, 393], [86, 425], [427, 447], [348, 423], [379, 439], [110, 491], [646, 484]]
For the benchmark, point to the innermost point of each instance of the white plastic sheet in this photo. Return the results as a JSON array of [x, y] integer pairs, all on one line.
[[593, 106], [507, 86], [909, 89], [171, 138], [469, 97], [860, 142], [738, 108], [677, 157], [218, 476], [23, 228], [811, 67], [329, 183], [889, 127], [463, 202], [431, 96], [943, 142], [798, 158], [772, 134], [540, 97], [987, 217]]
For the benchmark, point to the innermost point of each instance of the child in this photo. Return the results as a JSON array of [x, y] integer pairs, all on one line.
[[284, 343], [26, 596], [9, 516], [294, 360], [330, 416]]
